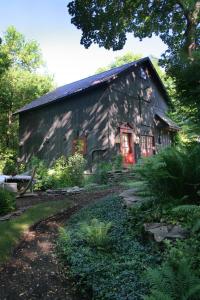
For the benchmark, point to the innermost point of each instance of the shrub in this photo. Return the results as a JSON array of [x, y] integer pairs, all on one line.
[[96, 233], [43, 180], [8, 164], [59, 172], [76, 165], [174, 280], [7, 201], [10, 168], [101, 174], [118, 162], [173, 172]]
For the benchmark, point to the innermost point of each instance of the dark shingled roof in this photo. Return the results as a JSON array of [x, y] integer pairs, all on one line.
[[84, 84]]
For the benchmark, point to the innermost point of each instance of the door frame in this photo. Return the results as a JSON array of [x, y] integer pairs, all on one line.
[[128, 129]]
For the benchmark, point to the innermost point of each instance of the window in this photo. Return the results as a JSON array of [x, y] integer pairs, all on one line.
[[147, 145], [80, 145]]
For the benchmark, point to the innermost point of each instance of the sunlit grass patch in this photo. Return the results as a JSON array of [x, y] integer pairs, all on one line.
[[11, 231]]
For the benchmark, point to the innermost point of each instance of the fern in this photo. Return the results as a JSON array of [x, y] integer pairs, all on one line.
[[173, 172], [96, 233], [187, 209], [174, 280]]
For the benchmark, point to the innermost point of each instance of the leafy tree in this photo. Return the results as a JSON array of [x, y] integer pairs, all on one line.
[[106, 23], [176, 22], [129, 57], [20, 82]]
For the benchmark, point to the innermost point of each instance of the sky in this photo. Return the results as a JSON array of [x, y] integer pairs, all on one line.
[[48, 22]]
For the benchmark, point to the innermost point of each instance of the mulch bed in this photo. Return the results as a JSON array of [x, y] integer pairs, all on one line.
[[33, 272]]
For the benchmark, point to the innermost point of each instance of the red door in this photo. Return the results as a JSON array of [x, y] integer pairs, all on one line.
[[127, 148]]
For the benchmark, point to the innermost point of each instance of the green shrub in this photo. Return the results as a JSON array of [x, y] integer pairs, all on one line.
[[118, 162], [10, 168], [64, 172], [173, 172], [189, 215], [96, 233], [59, 173], [107, 275], [174, 280], [76, 165], [8, 160], [7, 201], [101, 174], [43, 180]]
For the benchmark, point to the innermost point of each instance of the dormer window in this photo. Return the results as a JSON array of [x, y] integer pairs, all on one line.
[[143, 73]]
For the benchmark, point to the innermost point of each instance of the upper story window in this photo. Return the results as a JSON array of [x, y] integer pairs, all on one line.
[[143, 73]]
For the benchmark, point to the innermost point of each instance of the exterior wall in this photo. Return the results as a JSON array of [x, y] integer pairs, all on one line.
[[48, 132], [130, 104]]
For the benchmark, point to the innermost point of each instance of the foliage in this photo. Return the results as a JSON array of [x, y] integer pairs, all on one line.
[[186, 97], [116, 272], [10, 168], [108, 23], [175, 22], [174, 280], [118, 162], [7, 201], [189, 215], [7, 157], [96, 233], [20, 83], [130, 57], [173, 172], [43, 180], [64, 172], [12, 231], [76, 165], [101, 173]]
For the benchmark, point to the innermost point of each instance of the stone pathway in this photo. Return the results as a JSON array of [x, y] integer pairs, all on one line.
[[130, 197]]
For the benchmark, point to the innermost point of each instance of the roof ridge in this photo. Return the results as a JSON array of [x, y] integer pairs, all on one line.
[[79, 86]]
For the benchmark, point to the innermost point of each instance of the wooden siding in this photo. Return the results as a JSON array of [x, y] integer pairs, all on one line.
[[48, 131]]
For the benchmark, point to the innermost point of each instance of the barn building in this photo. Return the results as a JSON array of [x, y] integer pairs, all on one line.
[[120, 111]]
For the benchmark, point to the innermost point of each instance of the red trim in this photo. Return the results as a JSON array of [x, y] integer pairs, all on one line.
[[128, 151]]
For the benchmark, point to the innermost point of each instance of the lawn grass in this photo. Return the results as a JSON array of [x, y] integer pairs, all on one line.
[[11, 231]]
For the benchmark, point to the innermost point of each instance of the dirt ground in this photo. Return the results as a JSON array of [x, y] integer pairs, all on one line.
[[33, 271]]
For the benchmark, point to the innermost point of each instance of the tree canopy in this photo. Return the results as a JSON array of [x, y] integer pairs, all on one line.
[[129, 57], [20, 82], [176, 22], [106, 22]]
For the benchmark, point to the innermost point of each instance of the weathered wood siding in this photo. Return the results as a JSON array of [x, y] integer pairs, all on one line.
[[48, 131], [128, 104]]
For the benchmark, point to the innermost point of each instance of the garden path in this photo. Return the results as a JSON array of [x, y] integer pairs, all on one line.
[[33, 272]]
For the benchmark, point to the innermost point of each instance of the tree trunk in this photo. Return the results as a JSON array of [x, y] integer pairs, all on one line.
[[190, 33]]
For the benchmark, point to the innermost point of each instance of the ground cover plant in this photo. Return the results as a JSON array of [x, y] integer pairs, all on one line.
[[109, 262], [11, 231]]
